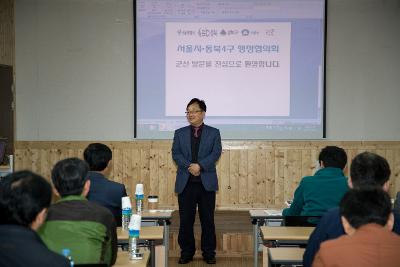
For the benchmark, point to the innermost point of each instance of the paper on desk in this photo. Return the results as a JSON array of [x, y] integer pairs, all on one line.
[[273, 212], [163, 210]]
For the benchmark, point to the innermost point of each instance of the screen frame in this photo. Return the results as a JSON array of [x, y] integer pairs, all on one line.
[[135, 102]]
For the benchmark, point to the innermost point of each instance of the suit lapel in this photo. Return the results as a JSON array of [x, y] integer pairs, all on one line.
[[188, 141]]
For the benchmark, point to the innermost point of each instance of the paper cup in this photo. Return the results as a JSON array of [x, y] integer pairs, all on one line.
[[139, 189], [126, 203]]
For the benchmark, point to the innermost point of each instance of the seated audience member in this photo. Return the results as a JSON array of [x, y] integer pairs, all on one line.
[[24, 199], [367, 170], [103, 191], [318, 193], [396, 208], [367, 219], [82, 226]]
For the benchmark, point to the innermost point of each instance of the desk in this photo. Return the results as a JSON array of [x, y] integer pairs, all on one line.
[[258, 217], [299, 235], [5, 170], [124, 261], [150, 233], [286, 256], [164, 218], [294, 235]]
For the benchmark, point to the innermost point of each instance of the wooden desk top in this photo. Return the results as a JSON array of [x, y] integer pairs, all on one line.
[[124, 261], [254, 214], [286, 233], [287, 254], [158, 214], [146, 233]]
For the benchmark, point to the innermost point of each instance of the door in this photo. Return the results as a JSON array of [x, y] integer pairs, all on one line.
[[7, 107]]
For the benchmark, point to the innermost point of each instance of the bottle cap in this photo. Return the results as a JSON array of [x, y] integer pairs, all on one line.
[[139, 189], [135, 222], [66, 252], [126, 203]]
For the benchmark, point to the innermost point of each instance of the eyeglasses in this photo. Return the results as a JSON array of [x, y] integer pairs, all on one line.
[[192, 112]]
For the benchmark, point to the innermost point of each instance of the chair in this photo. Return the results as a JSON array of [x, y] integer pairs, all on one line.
[[301, 220]]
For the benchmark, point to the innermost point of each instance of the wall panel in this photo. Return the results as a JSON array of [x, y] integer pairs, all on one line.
[[251, 174]]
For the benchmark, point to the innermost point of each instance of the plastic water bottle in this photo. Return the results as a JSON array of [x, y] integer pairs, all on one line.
[[67, 253], [139, 204], [134, 229], [126, 212], [133, 242], [139, 197]]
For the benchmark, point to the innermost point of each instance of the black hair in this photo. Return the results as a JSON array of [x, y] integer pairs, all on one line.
[[97, 156], [23, 195], [333, 156], [69, 176], [361, 207], [369, 170], [201, 104]]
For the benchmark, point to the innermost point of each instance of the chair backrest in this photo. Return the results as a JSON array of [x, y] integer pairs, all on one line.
[[118, 220], [301, 220]]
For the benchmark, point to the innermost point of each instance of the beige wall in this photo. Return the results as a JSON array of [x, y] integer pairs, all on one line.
[[75, 70], [74, 65], [362, 70]]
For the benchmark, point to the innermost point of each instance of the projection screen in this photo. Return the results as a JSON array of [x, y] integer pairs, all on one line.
[[259, 66]]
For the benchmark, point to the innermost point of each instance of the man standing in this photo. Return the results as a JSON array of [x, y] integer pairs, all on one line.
[[103, 191], [196, 149]]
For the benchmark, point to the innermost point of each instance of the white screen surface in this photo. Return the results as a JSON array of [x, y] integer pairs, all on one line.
[[259, 66], [245, 57]]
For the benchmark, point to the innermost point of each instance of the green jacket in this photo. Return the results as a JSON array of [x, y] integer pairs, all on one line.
[[84, 227], [317, 194]]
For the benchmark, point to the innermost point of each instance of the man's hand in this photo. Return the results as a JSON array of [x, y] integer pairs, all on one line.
[[194, 169]]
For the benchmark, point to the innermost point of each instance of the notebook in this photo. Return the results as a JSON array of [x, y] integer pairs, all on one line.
[[273, 212]]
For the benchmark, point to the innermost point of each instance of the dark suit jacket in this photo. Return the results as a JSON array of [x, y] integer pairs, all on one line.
[[21, 246], [370, 246], [107, 193], [210, 149], [396, 208]]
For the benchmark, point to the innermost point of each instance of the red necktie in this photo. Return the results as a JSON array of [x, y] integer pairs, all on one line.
[[196, 131]]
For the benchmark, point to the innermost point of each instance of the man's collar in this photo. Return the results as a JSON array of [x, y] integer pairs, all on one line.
[[72, 197], [96, 174], [200, 127]]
